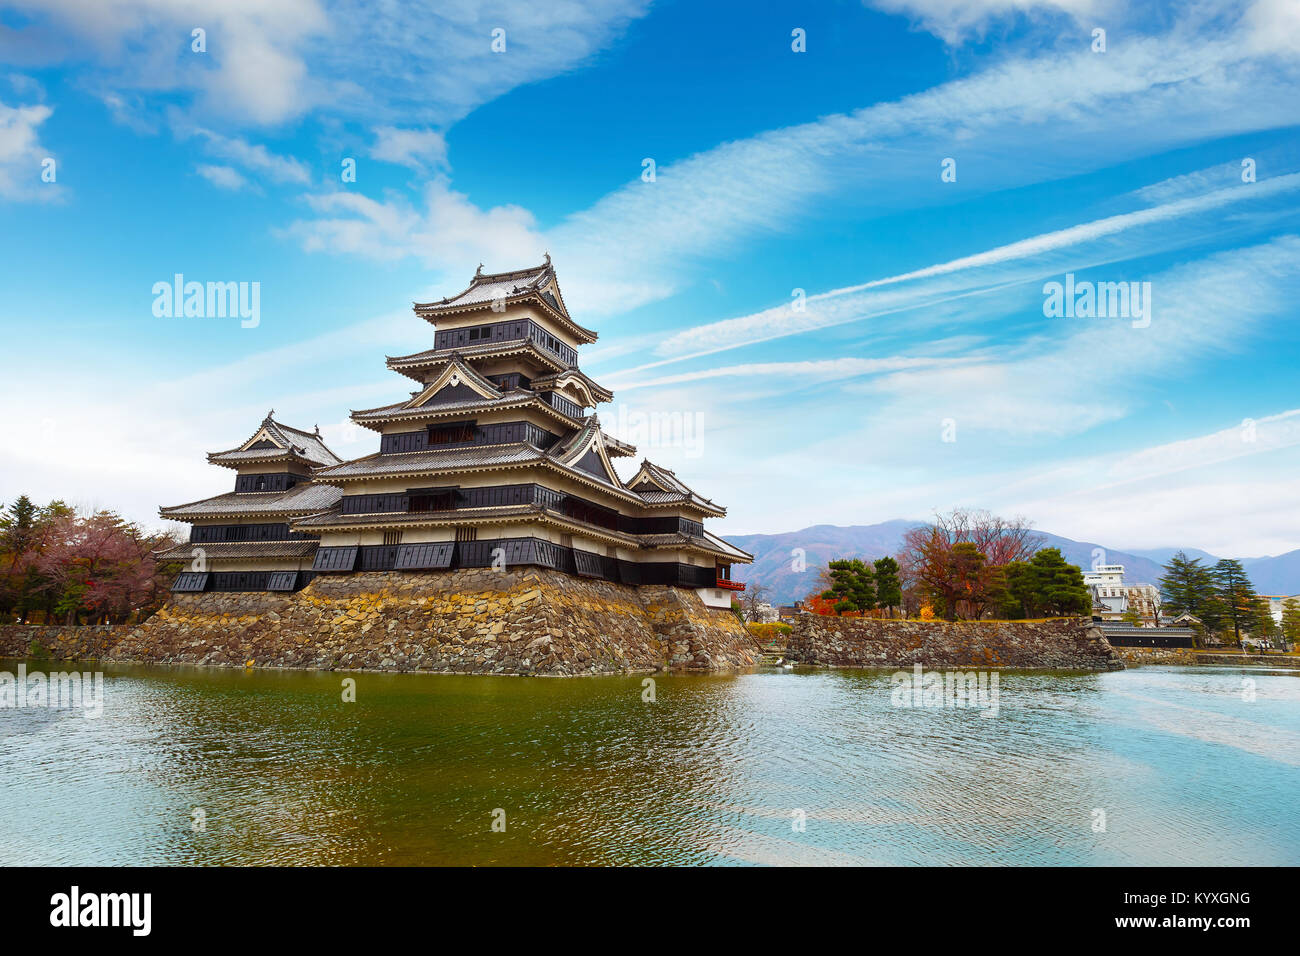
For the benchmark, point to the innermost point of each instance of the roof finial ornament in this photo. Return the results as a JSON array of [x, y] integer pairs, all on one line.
[[270, 415], [318, 429], [478, 272], [547, 254]]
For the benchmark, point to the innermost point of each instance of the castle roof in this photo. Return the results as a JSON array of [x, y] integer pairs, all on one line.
[[241, 549], [303, 499], [486, 288], [660, 486], [275, 441]]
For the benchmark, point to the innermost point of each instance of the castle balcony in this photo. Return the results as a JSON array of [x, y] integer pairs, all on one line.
[[728, 585]]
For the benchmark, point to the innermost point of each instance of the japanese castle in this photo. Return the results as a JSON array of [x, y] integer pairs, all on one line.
[[496, 460]]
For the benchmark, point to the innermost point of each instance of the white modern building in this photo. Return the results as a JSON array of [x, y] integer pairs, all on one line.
[[1112, 598]]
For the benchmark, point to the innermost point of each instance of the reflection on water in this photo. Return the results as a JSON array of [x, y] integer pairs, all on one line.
[[1186, 770]]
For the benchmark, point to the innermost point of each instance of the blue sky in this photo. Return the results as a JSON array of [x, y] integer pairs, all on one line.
[[921, 316]]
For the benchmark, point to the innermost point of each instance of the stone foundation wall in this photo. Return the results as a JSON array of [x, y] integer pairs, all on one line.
[[1067, 644], [62, 643], [474, 621], [1157, 655]]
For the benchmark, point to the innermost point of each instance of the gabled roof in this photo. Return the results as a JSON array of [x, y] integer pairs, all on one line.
[[557, 380], [659, 486], [584, 450], [276, 441], [538, 283], [616, 448], [456, 372]]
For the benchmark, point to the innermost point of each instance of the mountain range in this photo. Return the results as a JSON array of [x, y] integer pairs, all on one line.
[[774, 557]]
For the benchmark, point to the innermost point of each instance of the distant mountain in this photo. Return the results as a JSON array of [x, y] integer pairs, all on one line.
[[774, 554], [774, 557], [1162, 555], [1279, 575]]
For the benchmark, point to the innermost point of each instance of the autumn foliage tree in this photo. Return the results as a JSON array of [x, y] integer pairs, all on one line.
[[79, 569], [957, 563]]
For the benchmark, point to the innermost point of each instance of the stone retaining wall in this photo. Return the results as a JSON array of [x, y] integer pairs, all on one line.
[[1157, 655], [1067, 644], [60, 642], [474, 621]]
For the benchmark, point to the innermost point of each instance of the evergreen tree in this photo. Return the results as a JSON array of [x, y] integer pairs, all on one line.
[[1188, 587], [1235, 595], [852, 586], [1291, 620], [1185, 587], [18, 526], [1262, 624], [889, 588], [1020, 597], [1058, 586]]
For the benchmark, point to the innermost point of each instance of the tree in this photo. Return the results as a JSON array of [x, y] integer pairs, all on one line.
[[852, 586], [971, 580], [1235, 595], [101, 567], [1262, 625], [1188, 587], [1059, 586], [889, 587], [755, 594], [1291, 621], [1045, 586]]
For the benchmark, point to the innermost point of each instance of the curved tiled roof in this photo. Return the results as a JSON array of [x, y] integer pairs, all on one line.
[[304, 499], [288, 442], [668, 489], [488, 287], [240, 549]]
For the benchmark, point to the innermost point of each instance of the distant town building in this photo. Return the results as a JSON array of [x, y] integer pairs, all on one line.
[[1112, 599], [788, 612], [1275, 602]]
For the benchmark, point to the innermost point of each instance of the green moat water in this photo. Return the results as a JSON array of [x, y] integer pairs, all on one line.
[[1186, 769]]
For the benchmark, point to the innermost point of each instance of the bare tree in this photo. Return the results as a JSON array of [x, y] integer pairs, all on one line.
[[755, 594]]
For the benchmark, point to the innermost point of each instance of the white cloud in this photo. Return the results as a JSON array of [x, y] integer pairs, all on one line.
[[853, 303], [270, 61], [449, 232], [1022, 121], [953, 20], [22, 155], [418, 148], [254, 157], [223, 177], [817, 371]]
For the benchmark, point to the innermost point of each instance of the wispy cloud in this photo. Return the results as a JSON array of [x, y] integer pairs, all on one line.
[[857, 302], [223, 177], [21, 153], [420, 149], [1022, 121], [266, 62]]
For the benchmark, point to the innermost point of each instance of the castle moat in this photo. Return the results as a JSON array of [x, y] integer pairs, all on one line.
[[188, 765]]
